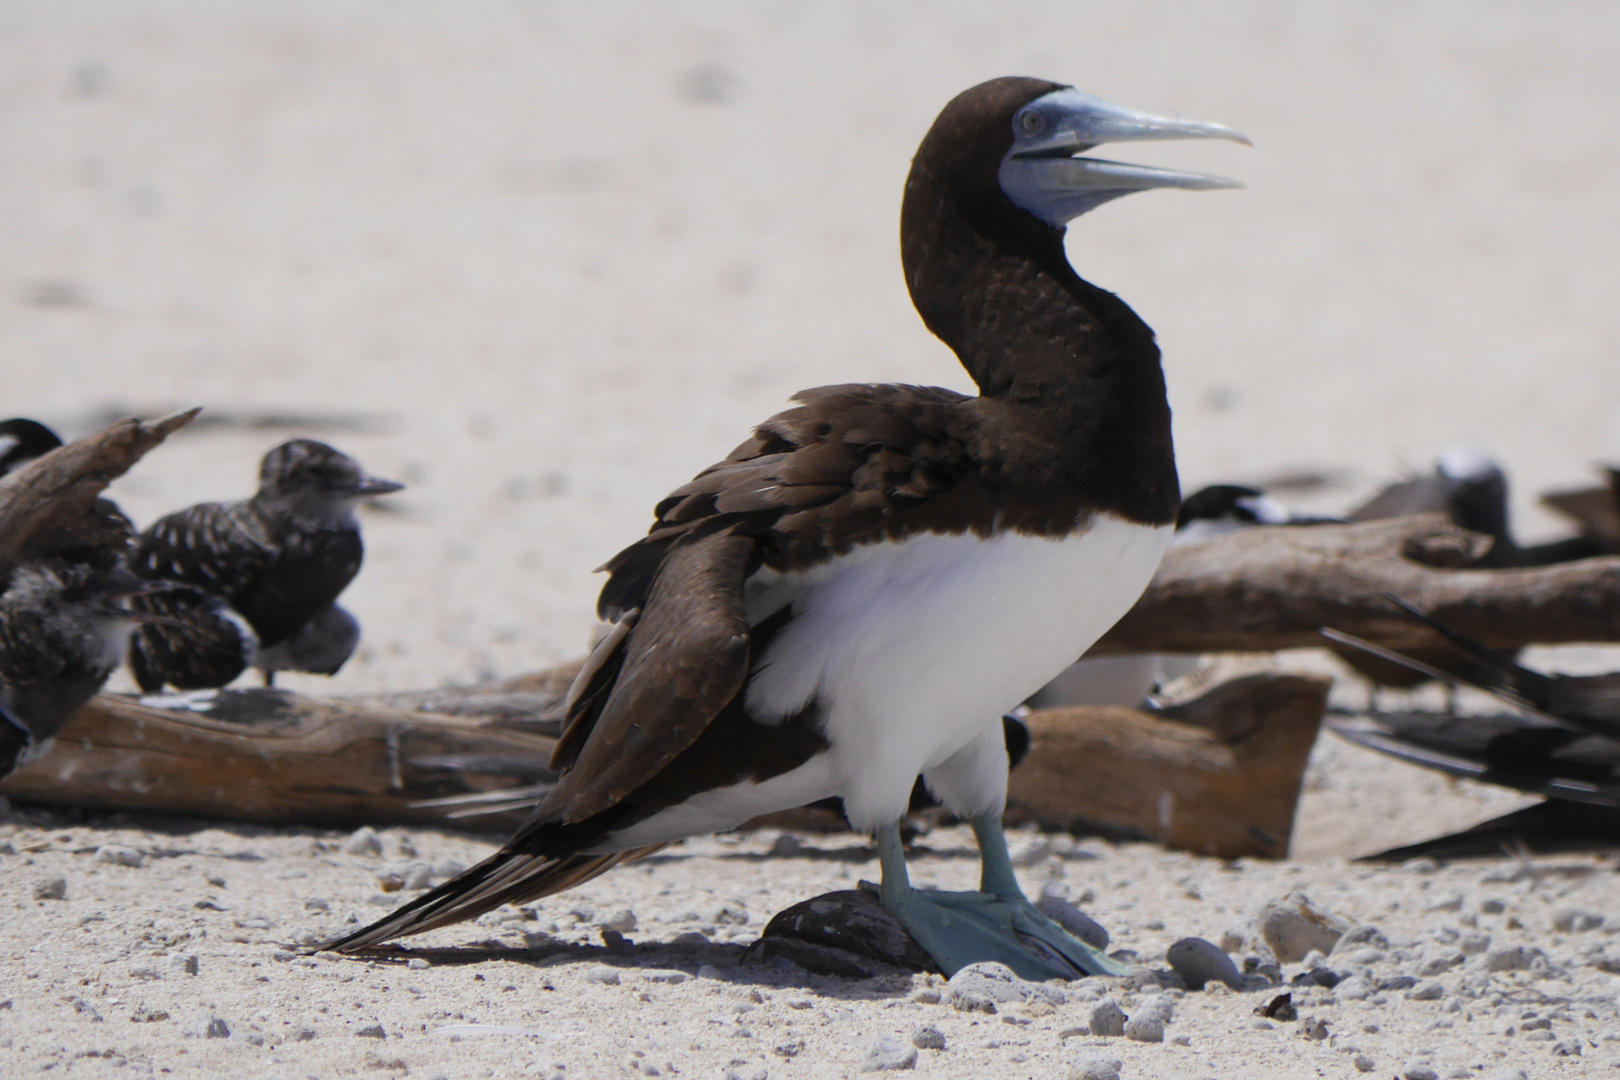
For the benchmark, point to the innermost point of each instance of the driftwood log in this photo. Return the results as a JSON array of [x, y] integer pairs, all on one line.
[[1260, 590], [1218, 775], [276, 758], [45, 505]]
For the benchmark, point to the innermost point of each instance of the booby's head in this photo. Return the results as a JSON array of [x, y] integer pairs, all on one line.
[[22, 440], [1021, 141], [311, 480]]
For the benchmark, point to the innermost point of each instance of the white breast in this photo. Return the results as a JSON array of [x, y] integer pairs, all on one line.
[[915, 647]]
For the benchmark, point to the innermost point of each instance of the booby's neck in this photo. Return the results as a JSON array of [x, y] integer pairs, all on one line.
[[1076, 364]]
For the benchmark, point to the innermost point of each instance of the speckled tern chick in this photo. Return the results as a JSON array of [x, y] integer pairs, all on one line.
[[264, 575]]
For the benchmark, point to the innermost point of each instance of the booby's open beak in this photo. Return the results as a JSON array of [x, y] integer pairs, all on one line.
[[1043, 174]]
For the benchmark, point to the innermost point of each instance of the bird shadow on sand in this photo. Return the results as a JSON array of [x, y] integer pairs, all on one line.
[[646, 964]]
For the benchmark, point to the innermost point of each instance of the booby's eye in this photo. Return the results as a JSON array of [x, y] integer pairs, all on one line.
[[1031, 121]]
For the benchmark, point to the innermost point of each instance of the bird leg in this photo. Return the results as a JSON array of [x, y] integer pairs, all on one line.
[[996, 923]]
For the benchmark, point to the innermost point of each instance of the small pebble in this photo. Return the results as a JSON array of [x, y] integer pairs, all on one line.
[[928, 1038], [623, 920], [1418, 1070], [375, 1031], [1148, 1029], [217, 1029], [786, 846], [1510, 958], [1199, 962], [888, 1054], [1293, 927], [416, 963], [1364, 935], [604, 975], [981, 987], [1107, 1019], [1355, 988], [1429, 991], [188, 964], [1447, 901], [118, 855], [1363, 1063], [1073, 920], [51, 889], [1493, 906], [363, 841], [1094, 1068], [1576, 920]]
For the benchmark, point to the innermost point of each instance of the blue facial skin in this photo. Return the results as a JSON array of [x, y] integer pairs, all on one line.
[[1042, 174]]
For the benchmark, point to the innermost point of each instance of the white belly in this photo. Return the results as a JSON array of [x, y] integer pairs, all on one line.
[[914, 648]]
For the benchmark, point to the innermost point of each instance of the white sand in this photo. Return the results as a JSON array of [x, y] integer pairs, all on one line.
[[570, 253]]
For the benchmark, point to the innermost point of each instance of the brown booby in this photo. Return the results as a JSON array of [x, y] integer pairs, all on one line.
[[857, 594], [264, 575]]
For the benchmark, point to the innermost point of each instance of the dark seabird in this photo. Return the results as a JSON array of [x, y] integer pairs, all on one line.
[[1562, 741], [860, 591], [1472, 490], [62, 632], [1468, 487], [264, 574], [22, 440]]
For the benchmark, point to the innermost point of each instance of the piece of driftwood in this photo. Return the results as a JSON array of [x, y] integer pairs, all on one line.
[[273, 757], [1223, 771], [1219, 775], [45, 505], [532, 702], [1263, 589]]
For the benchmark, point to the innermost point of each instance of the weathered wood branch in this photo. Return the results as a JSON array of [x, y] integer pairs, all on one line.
[[277, 758], [45, 502], [1219, 775], [1264, 589]]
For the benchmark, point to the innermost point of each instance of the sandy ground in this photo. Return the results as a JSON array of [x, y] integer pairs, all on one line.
[[543, 262]]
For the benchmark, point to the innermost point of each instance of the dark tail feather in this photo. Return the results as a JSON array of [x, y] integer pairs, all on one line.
[[1490, 670], [1543, 829], [507, 877]]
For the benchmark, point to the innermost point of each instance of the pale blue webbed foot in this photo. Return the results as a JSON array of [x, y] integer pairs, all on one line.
[[996, 923]]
